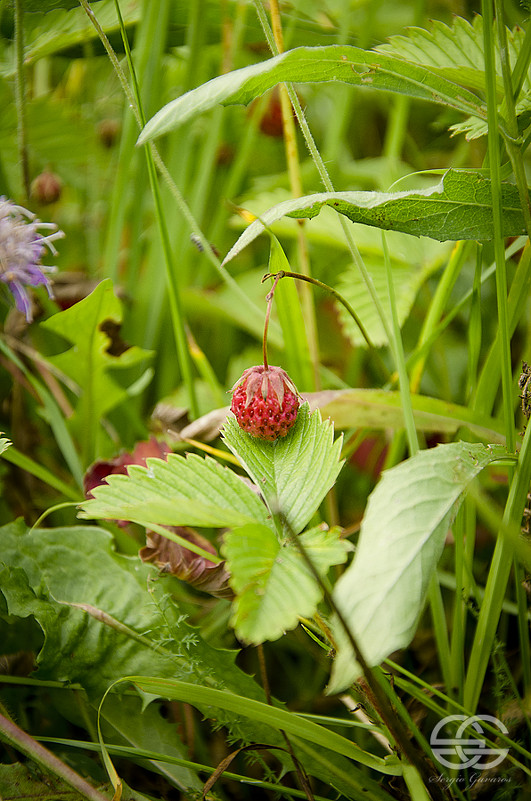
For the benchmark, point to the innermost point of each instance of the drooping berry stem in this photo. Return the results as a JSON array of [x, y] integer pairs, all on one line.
[[309, 279], [269, 298]]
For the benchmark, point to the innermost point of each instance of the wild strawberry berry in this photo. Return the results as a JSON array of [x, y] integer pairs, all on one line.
[[265, 402]]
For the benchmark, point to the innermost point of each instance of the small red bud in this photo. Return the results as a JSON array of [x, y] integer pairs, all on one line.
[[46, 188]]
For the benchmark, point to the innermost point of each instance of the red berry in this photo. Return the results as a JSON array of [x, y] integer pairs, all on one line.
[[265, 402]]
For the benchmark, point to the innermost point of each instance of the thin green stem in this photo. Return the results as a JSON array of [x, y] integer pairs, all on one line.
[[459, 611], [24, 462], [399, 357], [510, 132], [183, 207], [173, 289], [500, 569], [174, 293], [20, 97], [440, 629], [295, 179], [335, 294], [375, 681], [497, 213], [437, 306]]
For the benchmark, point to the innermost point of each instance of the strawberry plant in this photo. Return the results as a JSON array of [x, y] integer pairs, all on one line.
[[314, 584]]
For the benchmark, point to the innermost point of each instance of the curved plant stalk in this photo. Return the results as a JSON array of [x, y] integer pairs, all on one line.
[[512, 84], [135, 103], [20, 97], [179, 199], [501, 270], [398, 353], [340, 299]]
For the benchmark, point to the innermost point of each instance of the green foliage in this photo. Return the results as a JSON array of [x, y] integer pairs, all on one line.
[[344, 63], [18, 781], [411, 268], [91, 360], [108, 620], [406, 522], [265, 714], [458, 207], [381, 409], [293, 474], [374, 149], [273, 584], [291, 318], [456, 52]]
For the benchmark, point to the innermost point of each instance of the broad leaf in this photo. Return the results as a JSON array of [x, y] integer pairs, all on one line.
[[315, 64], [273, 584], [102, 620], [381, 409], [182, 491], [90, 360], [382, 593], [458, 207], [294, 473], [454, 51]]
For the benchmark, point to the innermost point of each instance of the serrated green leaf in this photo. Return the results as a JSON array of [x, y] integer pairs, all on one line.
[[456, 52], [274, 587], [315, 64], [295, 472], [182, 491], [382, 593], [89, 361], [458, 207]]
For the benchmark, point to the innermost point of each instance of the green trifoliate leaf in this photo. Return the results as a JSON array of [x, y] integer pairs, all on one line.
[[273, 584], [295, 472], [382, 593], [183, 491]]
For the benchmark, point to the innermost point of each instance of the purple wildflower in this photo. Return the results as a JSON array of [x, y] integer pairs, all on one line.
[[21, 250]]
